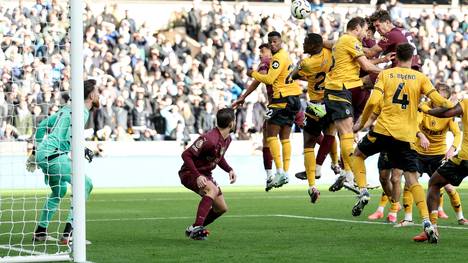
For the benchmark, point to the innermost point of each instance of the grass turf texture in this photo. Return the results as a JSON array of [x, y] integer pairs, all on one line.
[[147, 225]]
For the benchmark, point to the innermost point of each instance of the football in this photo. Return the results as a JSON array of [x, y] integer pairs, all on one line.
[[300, 9]]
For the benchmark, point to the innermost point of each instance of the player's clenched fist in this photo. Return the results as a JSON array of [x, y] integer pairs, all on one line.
[[201, 181], [232, 176]]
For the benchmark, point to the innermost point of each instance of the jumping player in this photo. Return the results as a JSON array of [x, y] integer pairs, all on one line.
[[284, 106], [200, 160]]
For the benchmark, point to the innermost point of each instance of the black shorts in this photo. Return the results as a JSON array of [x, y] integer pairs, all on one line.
[[454, 170], [429, 163], [283, 116], [338, 104], [314, 125], [384, 162], [400, 154]]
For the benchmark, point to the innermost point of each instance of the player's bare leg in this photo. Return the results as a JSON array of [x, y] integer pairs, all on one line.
[[384, 178], [209, 193], [395, 188], [267, 160], [309, 163], [345, 131], [417, 191]]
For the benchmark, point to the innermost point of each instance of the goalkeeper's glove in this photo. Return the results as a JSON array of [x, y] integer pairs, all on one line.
[[316, 109], [31, 163], [89, 154]]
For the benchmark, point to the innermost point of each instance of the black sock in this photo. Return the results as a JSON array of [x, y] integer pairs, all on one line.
[[68, 229], [41, 230]]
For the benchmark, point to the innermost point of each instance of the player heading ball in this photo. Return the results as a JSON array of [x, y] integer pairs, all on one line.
[[200, 159]]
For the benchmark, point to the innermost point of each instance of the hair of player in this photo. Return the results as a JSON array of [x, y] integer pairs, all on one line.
[[264, 45], [355, 22], [370, 24], [89, 86], [404, 52], [274, 34], [381, 16], [224, 117], [313, 39]]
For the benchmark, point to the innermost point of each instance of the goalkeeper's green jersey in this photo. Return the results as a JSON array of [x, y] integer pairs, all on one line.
[[53, 135]]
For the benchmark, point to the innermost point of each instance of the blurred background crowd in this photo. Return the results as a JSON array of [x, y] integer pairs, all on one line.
[[168, 84]]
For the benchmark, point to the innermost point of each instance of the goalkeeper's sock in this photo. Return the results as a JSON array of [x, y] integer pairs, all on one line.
[[325, 148], [212, 216], [67, 230], [203, 209], [41, 230]]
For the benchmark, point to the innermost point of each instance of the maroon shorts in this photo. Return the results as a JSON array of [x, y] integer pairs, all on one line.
[[190, 181], [360, 97]]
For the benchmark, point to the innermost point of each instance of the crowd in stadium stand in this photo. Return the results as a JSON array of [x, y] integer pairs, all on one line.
[[165, 86]]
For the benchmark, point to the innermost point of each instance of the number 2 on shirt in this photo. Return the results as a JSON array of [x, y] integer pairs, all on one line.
[[396, 97]]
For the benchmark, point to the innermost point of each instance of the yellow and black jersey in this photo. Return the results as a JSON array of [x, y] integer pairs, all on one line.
[[401, 90], [345, 70], [435, 129], [279, 76], [463, 154], [315, 69]]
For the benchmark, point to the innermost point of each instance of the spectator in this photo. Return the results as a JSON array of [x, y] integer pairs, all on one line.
[[206, 120]]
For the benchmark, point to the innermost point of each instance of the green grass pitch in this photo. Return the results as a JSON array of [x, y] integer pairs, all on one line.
[[147, 225]]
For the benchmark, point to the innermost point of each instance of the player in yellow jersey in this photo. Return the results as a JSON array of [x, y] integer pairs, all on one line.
[[400, 88], [455, 169], [314, 69], [284, 105], [431, 157], [349, 59]]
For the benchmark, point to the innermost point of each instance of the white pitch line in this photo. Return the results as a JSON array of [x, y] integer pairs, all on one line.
[[21, 250], [267, 215], [360, 222]]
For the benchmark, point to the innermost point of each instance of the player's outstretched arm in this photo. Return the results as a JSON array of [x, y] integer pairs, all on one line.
[[453, 127], [443, 112], [367, 65], [253, 86], [373, 51], [374, 100], [329, 44], [271, 76]]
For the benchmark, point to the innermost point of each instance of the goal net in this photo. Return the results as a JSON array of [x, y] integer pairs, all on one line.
[[36, 80]]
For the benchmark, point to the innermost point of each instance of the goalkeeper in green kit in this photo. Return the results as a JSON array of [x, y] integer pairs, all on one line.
[[51, 154]]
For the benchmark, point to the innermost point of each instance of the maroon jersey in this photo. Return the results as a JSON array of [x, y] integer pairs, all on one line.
[[264, 66], [205, 153], [396, 36]]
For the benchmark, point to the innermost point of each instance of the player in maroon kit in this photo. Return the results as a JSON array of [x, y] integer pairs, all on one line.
[[199, 160], [391, 37], [265, 59]]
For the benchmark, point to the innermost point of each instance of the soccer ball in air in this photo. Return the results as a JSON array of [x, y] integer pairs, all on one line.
[[300, 9]]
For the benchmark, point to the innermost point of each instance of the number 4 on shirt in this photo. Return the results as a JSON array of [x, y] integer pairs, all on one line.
[[404, 100]]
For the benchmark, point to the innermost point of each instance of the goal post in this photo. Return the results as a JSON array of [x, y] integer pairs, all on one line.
[[24, 195]]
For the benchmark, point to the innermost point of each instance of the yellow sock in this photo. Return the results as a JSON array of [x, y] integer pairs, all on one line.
[[359, 171], [309, 163], [433, 217], [419, 197], [274, 146], [455, 201], [441, 200], [383, 200], [395, 206], [334, 152], [286, 153], [346, 143], [408, 201]]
